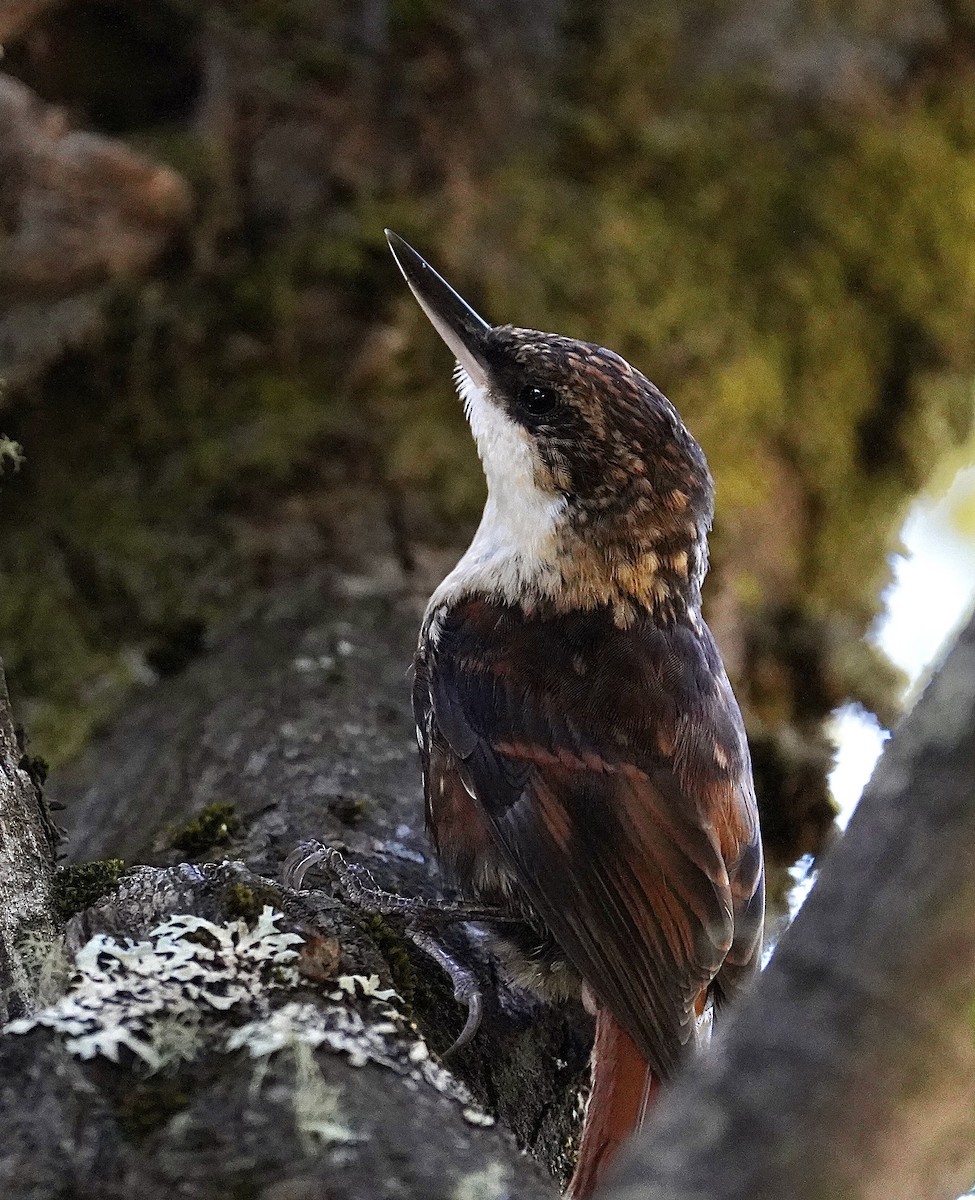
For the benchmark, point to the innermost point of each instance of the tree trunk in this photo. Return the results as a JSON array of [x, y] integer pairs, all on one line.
[[27, 841]]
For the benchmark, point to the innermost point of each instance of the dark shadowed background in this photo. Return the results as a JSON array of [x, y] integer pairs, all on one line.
[[220, 384]]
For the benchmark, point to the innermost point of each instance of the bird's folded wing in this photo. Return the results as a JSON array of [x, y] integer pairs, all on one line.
[[621, 863]]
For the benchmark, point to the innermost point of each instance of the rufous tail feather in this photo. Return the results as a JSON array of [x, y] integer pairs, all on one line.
[[623, 1090]]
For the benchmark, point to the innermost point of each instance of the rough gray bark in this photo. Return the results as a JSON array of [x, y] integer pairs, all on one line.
[[227, 1124], [850, 1070], [26, 870], [300, 719]]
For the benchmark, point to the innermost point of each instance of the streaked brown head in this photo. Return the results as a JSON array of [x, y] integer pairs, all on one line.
[[592, 476], [607, 437]]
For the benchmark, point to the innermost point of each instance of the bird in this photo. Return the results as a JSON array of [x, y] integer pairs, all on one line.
[[584, 759]]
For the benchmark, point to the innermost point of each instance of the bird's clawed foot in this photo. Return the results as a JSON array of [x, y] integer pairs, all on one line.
[[359, 888], [466, 988], [299, 862], [356, 883]]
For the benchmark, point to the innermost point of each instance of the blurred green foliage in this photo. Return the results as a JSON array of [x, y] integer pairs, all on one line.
[[797, 273]]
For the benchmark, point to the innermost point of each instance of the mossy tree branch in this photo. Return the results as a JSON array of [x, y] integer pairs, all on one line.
[[296, 726]]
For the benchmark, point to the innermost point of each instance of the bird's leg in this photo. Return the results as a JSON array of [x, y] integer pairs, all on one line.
[[350, 877], [357, 885], [467, 990], [360, 889]]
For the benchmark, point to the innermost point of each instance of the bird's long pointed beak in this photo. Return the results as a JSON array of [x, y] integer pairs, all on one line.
[[453, 318]]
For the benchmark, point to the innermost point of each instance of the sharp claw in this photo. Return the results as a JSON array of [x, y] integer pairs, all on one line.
[[475, 1010], [300, 861], [360, 888], [466, 988]]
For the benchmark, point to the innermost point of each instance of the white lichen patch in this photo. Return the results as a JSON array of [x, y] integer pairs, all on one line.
[[48, 966], [150, 996], [318, 1115], [380, 1035], [489, 1184], [476, 1116], [362, 985], [378, 1038]]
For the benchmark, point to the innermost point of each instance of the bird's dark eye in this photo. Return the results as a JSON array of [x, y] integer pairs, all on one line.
[[536, 401]]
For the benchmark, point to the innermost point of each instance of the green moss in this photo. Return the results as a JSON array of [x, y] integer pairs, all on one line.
[[79, 887], [122, 527], [391, 944], [208, 830], [416, 17], [246, 902], [145, 1107], [350, 810]]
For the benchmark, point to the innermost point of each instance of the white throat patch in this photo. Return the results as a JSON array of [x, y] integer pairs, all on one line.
[[512, 555]]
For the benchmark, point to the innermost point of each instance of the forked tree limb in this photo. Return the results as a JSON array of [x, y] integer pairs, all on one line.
[[850, 1070]]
